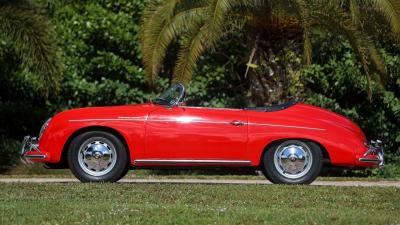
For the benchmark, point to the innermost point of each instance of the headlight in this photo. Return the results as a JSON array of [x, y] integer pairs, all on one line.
[[44, 126]]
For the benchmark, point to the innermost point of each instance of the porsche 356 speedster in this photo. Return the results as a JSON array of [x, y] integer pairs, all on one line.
[[289, 143]]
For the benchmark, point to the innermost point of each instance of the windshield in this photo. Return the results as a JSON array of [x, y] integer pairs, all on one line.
[[171, 96]]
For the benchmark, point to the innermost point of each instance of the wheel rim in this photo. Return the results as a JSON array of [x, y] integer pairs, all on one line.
[[293, 160], [97, 156]]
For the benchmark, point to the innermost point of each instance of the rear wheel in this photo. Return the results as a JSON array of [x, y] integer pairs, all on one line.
[[98, 156], [292, 162]]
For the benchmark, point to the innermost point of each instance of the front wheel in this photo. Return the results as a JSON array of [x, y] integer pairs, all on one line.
[[98, 156], [292, 162]]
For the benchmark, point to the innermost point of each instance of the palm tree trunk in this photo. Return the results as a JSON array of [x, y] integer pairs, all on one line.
[[275, 51]]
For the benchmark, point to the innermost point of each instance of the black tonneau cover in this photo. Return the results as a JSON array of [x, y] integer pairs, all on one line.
[[273, 108]]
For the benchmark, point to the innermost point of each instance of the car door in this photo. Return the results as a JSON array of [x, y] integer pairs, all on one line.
[[192, 133]]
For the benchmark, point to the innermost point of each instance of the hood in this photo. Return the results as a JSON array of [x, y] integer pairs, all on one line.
[[134, 110]]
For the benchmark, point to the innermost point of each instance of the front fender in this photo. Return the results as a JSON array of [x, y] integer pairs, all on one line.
[[56, 136]]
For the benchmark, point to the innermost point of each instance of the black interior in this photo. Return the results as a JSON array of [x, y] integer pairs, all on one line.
[[273, 108]]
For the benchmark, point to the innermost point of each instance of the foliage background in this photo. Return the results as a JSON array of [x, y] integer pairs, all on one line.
[[102, 66]]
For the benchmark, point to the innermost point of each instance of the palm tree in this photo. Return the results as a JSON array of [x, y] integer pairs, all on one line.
[[200, 23], [32, 36]]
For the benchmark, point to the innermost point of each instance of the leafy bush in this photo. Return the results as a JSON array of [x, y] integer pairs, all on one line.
[[101, 54]]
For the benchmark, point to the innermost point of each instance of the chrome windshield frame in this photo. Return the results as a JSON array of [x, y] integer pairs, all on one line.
[[172, 102]]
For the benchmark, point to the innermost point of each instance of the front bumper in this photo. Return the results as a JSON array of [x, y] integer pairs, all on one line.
[[374, 154], [30, 150]]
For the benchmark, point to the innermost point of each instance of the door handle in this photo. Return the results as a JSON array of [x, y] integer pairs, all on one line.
[[237, 123]]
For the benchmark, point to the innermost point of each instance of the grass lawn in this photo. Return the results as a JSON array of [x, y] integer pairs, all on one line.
[[144, 174], [196, 204]]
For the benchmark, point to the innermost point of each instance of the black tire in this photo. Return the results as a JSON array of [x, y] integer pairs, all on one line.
[[115, 173], [271, 170]]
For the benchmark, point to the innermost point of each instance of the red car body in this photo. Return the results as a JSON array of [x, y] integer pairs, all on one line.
[[157, 135]]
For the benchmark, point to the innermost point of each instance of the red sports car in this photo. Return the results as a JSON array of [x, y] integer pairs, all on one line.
[[290, 143]]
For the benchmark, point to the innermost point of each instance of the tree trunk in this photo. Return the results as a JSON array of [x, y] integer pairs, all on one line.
[[278, 59]]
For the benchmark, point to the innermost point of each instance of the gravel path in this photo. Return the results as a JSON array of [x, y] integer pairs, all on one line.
[[208, 181]]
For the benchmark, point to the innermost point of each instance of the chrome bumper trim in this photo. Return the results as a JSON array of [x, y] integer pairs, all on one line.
[[370, 160], [30, 144], [35, 156], [374, 149]]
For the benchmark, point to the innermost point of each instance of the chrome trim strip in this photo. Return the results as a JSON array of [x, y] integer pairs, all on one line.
[[286, 126], [189, 161], [192, 121], [35, 156], [132, 117], [142, 119], [370, 160], [109, 119]]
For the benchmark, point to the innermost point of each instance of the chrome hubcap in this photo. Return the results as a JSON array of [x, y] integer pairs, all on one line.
[[293, 161], [97, 156]]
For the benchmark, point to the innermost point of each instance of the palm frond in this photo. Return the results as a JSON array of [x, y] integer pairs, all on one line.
[[355, 12], [191, 49], [390, 9], [33, 39], [157, 42], [202, 37], [307, 47], [340, 23], [217, 12], [154, 17], [303, 14], [378, 63]]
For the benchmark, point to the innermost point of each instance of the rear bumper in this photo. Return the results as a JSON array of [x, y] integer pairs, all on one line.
[[374, 155], [30, 151]]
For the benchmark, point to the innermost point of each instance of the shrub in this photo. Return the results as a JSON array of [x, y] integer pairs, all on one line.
[[7, 153]]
